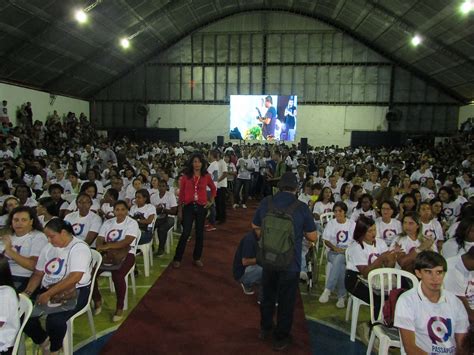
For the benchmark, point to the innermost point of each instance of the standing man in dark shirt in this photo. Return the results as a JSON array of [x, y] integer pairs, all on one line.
[[281, 286], [269, 121]]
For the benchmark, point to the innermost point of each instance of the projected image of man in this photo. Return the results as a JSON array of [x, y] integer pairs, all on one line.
[[269, 121]]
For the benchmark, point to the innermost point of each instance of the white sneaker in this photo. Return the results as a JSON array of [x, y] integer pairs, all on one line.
[[324, 298], [244, 205], [235, 205], [341, 302]]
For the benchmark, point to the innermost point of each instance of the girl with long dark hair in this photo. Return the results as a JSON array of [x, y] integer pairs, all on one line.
[[192, 206]]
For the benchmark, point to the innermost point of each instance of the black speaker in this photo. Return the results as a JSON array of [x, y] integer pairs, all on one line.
[[220, 141], [304, 145]]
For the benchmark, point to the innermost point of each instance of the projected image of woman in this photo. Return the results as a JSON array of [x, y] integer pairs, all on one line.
[[290, 121]]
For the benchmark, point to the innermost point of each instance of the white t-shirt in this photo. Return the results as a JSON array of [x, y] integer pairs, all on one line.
[[320, 207], [355, 255], [451, 248], [427, 194], [6, 154], [388, 231], [434, 324], [58, 263], [452, 230], [339, 234], [222, 167], [31, 202], [8, 316], [452, 210], [460, 280], [407, 244], [38, 153], [359, 212], [231, 169], [112, 231], [433, 230], [83, 225], [370, 186], [421, 177], [168, 200], [213, 170], [108, 210], [143, 212], [245, 166], [305, 198], [351, 207], [28, 245]]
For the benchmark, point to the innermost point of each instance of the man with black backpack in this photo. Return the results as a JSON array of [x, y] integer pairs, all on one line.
[[280, 224]]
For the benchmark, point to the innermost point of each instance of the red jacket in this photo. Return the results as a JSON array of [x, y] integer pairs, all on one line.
[[187, 188]]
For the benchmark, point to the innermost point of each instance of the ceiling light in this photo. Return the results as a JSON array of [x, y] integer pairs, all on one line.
[[125, 43], [80, 16], [467, 7], [416, 40]]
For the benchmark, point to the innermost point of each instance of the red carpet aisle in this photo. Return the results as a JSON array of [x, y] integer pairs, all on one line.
[[202, 311]]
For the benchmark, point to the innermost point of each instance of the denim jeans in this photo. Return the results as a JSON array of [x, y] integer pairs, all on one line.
[[337, 273], [252, 275], [244, 185], [281, 287], [192, 212]]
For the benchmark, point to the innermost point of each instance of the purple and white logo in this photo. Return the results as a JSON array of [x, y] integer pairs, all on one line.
[[54, 266], [388, 234], [439, 329], [114, 235], [373, 257], [78, 228], [342, 237]]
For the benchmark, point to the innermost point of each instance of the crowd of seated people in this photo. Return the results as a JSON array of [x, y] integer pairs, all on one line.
[[61, 184]]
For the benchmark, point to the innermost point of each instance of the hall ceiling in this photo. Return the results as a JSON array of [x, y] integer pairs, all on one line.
[[42, 46]]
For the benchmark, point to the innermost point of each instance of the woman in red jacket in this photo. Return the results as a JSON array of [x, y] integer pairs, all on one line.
[[192, 206]]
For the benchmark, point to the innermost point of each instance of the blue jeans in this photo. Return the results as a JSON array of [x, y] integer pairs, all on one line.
[[281, 287], [252, 275], [337, 273]]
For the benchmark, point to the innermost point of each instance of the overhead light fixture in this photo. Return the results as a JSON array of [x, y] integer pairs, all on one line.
[[416, 40], [125, 43], [80, 16], [466, 7]]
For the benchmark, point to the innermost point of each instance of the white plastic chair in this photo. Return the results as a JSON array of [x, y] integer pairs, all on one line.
[[169, 240], [147, 251], [25, 308], [130, 274], [68, 338], [387, 279], [324, 219], [354, 303]]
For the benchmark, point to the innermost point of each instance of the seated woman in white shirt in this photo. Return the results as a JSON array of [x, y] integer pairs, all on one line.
[[8, 205], [25, 196], [24, 246], [166, 205], [144, 213], [353, 200], [9, 320], [64, 264], [85, 223], [460, 280], [430, 227], [462, 241], [89, 188], [107, 204], [46, 210], [387, 226], [337, 236], [323, 204], [117, 233], [411, 242], [136, 185], [365, 254], [364, 208]]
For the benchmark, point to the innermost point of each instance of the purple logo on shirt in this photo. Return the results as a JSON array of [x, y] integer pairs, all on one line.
[[342, 236], [54, 266], [439, 329], [113, 235], [448, 212], [18, 248], [388, 233], [78, 228], [373, 257], [430, 233]]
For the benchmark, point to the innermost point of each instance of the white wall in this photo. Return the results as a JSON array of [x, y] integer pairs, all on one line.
[[464, 113], [40, 102], [322, 125]]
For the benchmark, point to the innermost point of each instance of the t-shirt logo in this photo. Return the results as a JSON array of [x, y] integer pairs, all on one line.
[[215, 175], [114, 235], [373, 257], [342, 236], [78, 228], [448, 212], [430, 233], [326, 210], [439, 329], [388, 234], [17, 248], [423, 179], [54, 266]]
